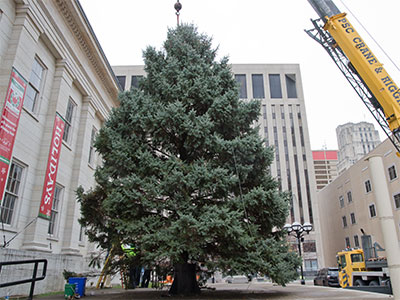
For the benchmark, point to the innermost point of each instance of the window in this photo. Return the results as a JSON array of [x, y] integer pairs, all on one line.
[[342, 261], [54, 210], [258, 86], [241, 80], [368, 187], [81, 233], [392, 172], [68, 121], [347, 240], [341, 201], [356, 241], [135, 81], [121, 80], [353, 218], [291, 85], [275, 85], [309, 246], [91, 147], [349, 197], [397, 201], [344, 220], [311, 264], [372, 211], [12, 193], [33, 89], [264, 108], [358, 257]]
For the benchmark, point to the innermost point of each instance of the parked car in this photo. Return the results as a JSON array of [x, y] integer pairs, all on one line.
[[237, 279], [327, 277]]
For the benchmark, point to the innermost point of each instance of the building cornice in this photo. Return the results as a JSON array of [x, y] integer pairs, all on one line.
[[80, 27]]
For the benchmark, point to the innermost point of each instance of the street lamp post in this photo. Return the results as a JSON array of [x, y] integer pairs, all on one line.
[[298, 230]]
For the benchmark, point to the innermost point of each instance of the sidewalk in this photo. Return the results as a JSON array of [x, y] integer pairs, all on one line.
[[235, 291]]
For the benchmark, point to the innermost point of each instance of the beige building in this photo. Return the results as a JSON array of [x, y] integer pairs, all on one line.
[[52, 46], [354, 141], [283, 125], [348, 204]]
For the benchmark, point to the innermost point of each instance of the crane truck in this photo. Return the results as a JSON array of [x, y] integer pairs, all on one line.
[[359, 65], [363, 268]]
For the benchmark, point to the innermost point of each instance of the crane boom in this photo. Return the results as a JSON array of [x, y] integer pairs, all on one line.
[[360, 66]]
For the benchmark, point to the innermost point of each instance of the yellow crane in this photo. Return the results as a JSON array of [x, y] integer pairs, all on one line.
[[359, 65]]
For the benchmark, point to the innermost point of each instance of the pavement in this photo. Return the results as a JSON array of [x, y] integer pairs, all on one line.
[[254, 290]]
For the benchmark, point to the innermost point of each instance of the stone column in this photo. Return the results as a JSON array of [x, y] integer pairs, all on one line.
[[82, 174], [36, 235], [21, 48], [385, 215]]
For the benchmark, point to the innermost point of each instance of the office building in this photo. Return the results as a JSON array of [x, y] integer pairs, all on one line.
[[325, 167], [354, 142]]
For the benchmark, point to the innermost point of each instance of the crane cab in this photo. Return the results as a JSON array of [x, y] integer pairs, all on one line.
[[349, 261]]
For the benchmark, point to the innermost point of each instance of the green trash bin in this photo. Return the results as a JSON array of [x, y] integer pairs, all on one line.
[[69, 290]]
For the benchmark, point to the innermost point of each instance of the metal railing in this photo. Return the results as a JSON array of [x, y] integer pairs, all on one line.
[[31, 280]]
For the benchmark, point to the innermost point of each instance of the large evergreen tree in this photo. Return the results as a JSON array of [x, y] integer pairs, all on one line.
[[185, 174]]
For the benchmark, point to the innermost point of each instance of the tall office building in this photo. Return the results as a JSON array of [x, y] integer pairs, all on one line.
[[354, 141], [325, 167], [283, 125]]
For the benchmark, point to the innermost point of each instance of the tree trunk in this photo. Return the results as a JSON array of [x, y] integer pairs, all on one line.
[[185, 282]]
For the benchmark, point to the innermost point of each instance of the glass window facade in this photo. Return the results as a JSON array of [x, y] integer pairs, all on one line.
[[356, 241], [392, 172], [68, 121], [258, 86], [11, 194], [341, 201], [372, 211], [349, 197], [353, 218], [54, 210], [344, 221], [135, 81], [367, 185], [275, 85], [241, 80], [291, 85], [311, 264], [33, 88], [397, 201], [121, 80]]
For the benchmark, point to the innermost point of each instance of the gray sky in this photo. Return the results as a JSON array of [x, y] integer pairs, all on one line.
[[259, 31]]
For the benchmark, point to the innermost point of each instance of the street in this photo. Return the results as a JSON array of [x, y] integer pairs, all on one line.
[[257, 290]]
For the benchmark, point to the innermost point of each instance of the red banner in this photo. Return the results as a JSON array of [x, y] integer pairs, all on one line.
[[52, 167], [9, 123]]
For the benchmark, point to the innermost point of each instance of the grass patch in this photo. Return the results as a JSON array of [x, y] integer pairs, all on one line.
[[49, 294]]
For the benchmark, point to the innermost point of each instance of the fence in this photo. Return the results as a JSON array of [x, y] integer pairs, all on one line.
[[31, 280]]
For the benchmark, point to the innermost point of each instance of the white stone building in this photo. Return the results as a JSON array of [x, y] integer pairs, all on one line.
[[283, 125], [354, 141], [52, 45]]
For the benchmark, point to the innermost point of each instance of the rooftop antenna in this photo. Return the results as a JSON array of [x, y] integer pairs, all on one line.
[[177, 7]]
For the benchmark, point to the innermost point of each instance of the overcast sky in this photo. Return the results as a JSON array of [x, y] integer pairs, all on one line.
[[259, 31]]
